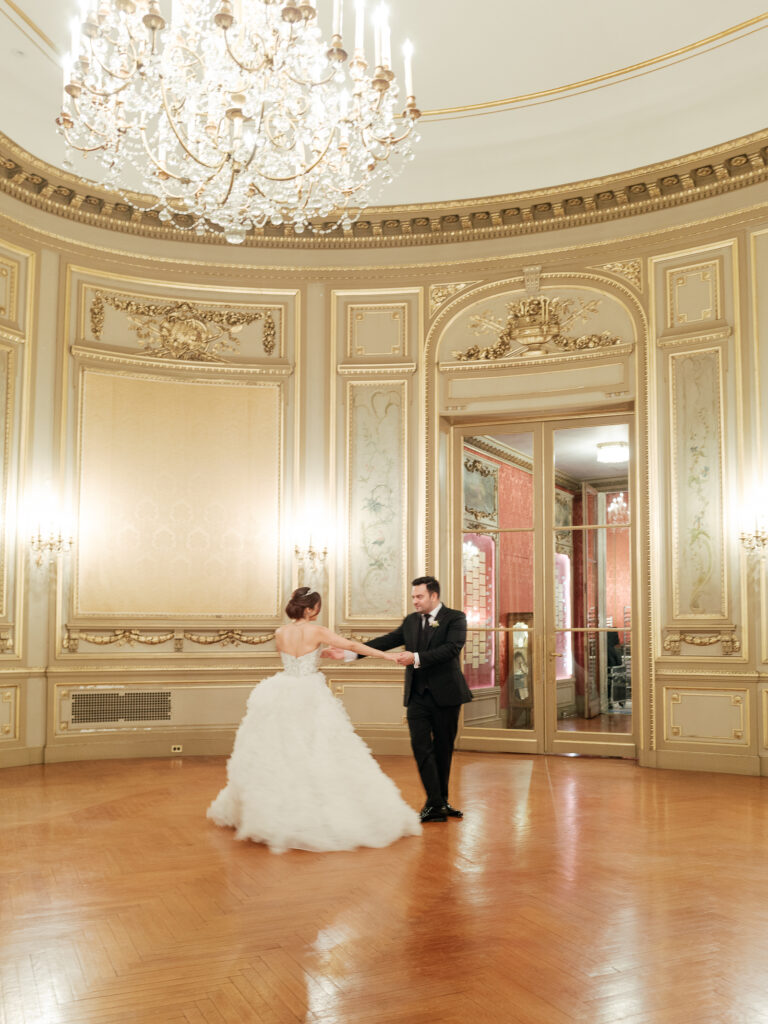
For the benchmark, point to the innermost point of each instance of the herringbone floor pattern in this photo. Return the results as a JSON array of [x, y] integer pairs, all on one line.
[[574, 891]]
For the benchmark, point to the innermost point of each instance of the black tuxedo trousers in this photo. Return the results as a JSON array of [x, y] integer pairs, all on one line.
[[433, 693]]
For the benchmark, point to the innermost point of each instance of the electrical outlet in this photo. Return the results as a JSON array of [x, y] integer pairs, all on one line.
[[176, 748]]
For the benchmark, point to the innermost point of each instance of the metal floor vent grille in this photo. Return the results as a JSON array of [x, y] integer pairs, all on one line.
[[151, 706]]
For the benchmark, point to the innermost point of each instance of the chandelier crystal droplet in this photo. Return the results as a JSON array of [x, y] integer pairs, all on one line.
[[235, 113]]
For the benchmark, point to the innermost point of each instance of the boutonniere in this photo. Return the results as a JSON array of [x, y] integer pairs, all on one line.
[[434, 624]]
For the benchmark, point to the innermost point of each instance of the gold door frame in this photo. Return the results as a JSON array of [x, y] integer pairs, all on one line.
[[544, 737]]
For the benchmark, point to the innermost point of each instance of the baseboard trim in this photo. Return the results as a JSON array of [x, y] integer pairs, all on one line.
[[19, 757], [730, 764]]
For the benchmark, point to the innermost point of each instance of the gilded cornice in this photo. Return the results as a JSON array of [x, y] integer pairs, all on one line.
[[701, 175]]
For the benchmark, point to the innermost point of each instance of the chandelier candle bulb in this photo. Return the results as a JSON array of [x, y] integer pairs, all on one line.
[[337, 16], [386, 43], [408, 55], [360, 29]]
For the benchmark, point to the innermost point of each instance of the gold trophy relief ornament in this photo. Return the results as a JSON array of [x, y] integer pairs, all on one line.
[[183, 330], [534, 323]]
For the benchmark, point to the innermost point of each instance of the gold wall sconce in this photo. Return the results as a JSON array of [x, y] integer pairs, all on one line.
[[311, 558], [51, 544], [755, 542]]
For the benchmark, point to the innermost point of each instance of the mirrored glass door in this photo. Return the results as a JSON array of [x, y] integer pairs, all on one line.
[[498, 578], [544, 554], [591, 629]]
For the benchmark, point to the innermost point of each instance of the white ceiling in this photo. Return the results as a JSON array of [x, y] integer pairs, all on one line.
[[490, 50]]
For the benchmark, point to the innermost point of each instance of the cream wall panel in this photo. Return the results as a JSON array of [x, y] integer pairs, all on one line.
[[380, 325], [94, 709], [376, 505], [379, 330], [15, 265], [754, 512], [179, 498], [694, 294], [7, 390], [9, 713], [699, 566], [715, 716], [371, 704]]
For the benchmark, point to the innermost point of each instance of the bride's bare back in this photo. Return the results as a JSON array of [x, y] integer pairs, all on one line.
[[301, 636]]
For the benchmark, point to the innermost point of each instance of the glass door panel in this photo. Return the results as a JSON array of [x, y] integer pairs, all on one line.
[[497, 562], [590, 682]]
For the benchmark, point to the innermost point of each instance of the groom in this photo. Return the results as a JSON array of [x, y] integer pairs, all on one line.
[[435, 688]]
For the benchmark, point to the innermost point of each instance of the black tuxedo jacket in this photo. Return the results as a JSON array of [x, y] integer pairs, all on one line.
[[440, 666]]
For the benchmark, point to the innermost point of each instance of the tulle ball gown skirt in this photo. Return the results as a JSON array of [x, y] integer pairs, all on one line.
[[299, 777]]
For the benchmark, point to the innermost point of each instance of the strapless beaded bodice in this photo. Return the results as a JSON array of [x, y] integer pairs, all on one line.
[[306, 665]]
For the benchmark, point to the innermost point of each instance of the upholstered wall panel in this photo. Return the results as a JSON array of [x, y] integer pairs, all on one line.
[[178, 498]]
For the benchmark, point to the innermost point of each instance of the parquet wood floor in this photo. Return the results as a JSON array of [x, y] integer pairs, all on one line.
[[575, 890]]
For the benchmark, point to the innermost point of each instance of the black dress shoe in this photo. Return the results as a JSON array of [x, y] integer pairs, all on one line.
[[430, 813], [451, 812]]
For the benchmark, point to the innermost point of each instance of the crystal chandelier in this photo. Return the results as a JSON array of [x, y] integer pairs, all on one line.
[[235, 113]]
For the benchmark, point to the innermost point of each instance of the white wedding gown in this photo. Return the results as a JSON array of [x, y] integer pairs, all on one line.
[[300, 777]]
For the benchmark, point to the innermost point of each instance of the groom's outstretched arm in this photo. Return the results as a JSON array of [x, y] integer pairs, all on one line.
[[380, 643], [388, 641]]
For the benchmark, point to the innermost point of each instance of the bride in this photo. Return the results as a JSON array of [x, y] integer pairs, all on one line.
[[299, 776]]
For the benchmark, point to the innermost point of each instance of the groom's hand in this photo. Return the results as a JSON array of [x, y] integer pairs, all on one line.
[[405, 658], [333, 652]]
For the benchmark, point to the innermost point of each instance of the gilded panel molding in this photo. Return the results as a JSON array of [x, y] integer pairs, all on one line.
[[183, 329], [706, 716], [377, 329], [377, 505], [709, 172], [439, 294], [532, 324], [9, 713], [699, 582], [675, 638], [694, 294], [9, 291], [629, 270]]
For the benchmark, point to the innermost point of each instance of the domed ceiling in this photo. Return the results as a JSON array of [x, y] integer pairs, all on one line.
[[515, 96]]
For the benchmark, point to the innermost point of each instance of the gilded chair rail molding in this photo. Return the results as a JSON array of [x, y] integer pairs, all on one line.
[[376, 370], [131, 637], [709, 172], [227, 637], [674, 640], [183, 330], [202, 369], [120, 637], [679, 339]]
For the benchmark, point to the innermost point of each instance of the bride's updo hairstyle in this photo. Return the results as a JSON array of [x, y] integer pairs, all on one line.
[[302, 599]]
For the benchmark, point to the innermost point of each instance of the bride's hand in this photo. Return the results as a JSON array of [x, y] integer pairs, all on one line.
[[389, 656]]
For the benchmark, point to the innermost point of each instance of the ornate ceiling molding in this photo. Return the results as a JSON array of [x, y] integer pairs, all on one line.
[[710, 172]]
